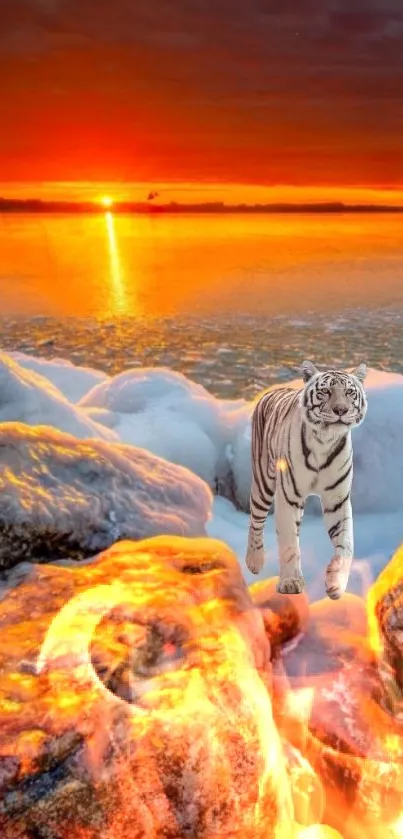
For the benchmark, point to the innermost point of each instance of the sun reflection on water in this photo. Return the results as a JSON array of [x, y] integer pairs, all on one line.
[[118, 285]]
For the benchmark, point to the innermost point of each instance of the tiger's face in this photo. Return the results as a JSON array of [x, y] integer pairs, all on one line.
[[333, 398]]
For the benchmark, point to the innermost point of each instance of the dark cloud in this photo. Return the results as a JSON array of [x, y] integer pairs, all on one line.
[[316, 77]]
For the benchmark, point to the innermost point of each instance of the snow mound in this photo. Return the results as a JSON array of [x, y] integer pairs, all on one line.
[[73, 382], [172, 417], [28, 397], [162, 411], [63, 497]]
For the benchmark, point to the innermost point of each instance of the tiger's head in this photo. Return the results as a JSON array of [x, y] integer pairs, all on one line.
[[334, 398]]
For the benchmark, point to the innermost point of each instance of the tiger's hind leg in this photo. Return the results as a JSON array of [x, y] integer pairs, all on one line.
[[288, 519], [261, 499], [262, 490]]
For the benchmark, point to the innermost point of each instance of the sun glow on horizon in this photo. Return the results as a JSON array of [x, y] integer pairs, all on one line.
[[107, 194]]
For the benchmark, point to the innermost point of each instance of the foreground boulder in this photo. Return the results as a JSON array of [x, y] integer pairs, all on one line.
[[344, 680], [285, 617], [134, 701], [151, 695], [385, 612], [63, 497]]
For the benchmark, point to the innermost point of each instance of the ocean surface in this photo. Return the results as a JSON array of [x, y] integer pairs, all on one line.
[[234, 302]]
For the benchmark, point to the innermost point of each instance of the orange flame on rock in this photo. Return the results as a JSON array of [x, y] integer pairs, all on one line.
[[211, 709], [157, 696]]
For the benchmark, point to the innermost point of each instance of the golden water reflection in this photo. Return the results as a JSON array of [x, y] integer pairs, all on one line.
[[118, 288], [108, 265]]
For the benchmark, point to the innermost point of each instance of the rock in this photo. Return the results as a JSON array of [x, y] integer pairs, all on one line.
[[349, 735], [336, 635], [46, 342], [191, 750], [61, 497], [9, 769], [285, 616], [385, 613], [139, 698]]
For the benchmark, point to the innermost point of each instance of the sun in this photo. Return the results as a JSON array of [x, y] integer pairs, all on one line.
[[106, 201]]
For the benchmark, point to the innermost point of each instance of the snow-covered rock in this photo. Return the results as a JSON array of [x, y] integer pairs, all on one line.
[[73, 381], [26, 396], [63, 497]]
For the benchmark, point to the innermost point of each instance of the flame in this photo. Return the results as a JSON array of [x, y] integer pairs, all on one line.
[[155, 663], [318, 831], [299, 703], [389, 580], [397, 827], [218, 685]]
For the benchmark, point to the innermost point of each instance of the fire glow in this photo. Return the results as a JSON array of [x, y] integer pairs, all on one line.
[[146, 695]]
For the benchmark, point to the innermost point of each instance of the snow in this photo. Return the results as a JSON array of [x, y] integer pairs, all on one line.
[[377, 536], [164, 412], [63, 493], [26, 396], [159, 410], [73, 382]]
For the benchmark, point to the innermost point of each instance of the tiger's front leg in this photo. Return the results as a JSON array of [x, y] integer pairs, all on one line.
[[261, 499], [288, 515], [339, 524]]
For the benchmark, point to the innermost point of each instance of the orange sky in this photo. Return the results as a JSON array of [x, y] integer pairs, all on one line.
[[213, 93]]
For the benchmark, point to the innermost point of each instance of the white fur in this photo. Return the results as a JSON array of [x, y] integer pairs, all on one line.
[[301, 446]]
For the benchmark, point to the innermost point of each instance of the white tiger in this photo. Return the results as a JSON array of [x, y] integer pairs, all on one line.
[[301, 446]]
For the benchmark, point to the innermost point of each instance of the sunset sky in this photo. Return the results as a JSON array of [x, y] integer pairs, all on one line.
[[203, 99]]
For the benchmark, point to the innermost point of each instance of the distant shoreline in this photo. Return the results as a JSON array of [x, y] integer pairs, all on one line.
[[10, 205]]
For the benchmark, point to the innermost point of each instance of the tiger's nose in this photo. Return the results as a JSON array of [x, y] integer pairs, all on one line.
[[340, 410]]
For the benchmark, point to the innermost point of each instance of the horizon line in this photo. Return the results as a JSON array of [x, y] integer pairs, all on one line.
[[152, 206]]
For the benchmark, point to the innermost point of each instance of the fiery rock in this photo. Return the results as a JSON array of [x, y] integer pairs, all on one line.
[[285, 616], [335, 635], [149, 695], [134, 701], [348, 736], [385, 613]]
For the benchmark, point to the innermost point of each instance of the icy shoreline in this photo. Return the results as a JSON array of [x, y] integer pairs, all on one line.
[[166, 419], [232, 356]]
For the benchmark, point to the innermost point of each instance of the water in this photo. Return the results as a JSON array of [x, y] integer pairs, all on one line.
[[234, 302]]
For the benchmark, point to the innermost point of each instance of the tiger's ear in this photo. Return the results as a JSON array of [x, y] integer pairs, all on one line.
[[308, 370], [360, 372]]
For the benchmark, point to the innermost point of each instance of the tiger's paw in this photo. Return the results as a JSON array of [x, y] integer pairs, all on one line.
[[290, 585], [336, 578], [255, 560]]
